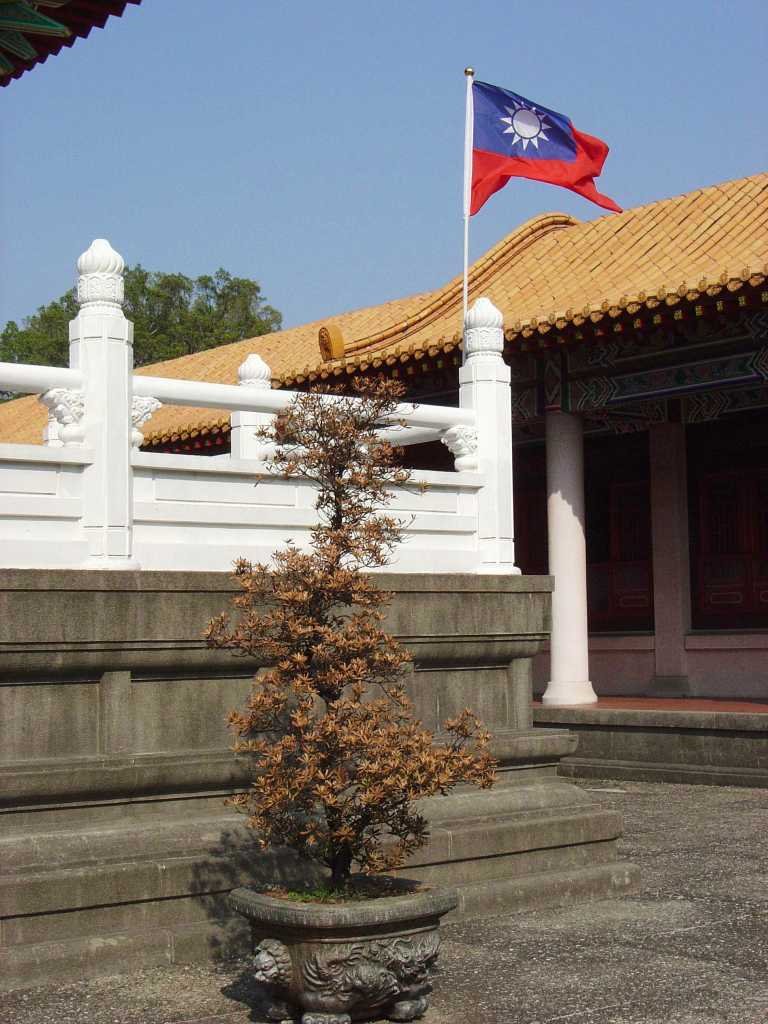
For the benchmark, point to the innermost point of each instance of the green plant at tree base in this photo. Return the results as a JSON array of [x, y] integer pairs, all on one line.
[[354, 891], [338, 758]]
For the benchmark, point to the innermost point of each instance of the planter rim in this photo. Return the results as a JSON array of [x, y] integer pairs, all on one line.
[[332, 916]]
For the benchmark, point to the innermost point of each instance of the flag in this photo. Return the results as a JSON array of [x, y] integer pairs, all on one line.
[[514, 138]]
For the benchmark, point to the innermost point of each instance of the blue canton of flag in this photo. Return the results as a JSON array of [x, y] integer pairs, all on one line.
[[527, 129]]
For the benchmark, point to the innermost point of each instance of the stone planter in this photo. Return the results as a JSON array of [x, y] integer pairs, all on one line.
[[326, 963]]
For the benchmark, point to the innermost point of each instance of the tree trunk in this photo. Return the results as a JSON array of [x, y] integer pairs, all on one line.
[[340, 867]]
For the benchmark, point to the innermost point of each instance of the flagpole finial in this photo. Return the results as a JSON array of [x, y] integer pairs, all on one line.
[[469, 72]]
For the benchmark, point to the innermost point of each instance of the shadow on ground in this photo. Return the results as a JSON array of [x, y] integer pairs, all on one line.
[[247, 993], [236, 859]]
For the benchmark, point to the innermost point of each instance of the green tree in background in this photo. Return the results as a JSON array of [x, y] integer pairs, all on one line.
[[172, 314]]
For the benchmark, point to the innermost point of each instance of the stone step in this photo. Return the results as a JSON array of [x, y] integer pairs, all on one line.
[[55, 872], [506, 866], [660, 771], [175, 872], [494, 837], [45, 962], [216, 831], [155, 944], [549, 889], [99, 844], [141, 879], [89, 894], [679, 741]]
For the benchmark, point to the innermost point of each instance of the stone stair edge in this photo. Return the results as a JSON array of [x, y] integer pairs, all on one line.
[[34, 963]]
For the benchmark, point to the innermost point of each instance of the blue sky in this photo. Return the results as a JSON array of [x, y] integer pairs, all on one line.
[[318, 147]]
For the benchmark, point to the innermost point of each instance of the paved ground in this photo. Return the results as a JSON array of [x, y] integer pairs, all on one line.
[[690, 946]]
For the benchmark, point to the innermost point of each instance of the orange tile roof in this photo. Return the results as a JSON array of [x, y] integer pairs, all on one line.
[[549, 273]]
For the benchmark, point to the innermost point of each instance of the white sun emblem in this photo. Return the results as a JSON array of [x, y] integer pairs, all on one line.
[[526, 125]]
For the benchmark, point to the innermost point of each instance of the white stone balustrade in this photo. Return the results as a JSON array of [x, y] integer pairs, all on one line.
[[71, 501]]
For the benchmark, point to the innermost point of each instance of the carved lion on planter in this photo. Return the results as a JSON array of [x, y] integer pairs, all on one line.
[[348, 981]]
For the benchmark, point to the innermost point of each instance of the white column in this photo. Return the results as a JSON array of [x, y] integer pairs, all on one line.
[[253, 374], [101, 346], [484, 386], [569, 644]]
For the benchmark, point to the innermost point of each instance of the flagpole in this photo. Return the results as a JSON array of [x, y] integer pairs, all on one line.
[[468, 140]]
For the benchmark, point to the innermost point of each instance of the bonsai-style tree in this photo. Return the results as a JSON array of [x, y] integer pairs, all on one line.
[[338, 757]]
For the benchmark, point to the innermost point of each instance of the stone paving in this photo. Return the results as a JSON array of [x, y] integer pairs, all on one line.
[[689, 946]]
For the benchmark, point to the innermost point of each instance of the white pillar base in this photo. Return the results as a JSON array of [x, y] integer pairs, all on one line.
[[570, 694], [494, 569], [107, 562]]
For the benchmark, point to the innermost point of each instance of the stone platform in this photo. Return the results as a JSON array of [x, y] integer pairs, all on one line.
[[115, 848], [688, 740], [687, 946]]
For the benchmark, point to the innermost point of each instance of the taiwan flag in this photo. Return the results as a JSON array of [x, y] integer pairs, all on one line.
[[514, 138]]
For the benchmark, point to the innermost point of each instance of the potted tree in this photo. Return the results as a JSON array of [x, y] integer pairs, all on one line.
[[338, 758]]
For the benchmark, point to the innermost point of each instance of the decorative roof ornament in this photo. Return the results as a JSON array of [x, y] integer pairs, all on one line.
[[331, 342], [101, 274], [483, 330], [254, 373]]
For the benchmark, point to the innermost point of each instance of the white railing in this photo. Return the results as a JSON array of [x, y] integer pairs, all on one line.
[[89, 498]]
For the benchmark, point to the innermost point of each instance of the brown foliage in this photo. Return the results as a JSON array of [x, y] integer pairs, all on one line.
[[338, 758]]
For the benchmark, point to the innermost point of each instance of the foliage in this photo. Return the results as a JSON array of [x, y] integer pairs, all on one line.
[[338, 757], [172, 315], [358, 890], [44, 337]]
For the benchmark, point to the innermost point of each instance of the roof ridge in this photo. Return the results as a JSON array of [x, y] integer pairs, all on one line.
[[437, 301], [450, 294]]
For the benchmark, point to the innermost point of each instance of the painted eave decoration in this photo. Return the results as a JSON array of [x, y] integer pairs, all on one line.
[[30, 32]]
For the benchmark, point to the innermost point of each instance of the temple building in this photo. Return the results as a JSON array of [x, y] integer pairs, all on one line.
[[31, 31], [638, 345]]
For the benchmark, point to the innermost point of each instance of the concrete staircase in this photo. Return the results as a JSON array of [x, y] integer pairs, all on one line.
[[141, 884], [693, 741]]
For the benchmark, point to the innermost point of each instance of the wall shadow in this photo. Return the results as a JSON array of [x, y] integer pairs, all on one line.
[[236, 859]]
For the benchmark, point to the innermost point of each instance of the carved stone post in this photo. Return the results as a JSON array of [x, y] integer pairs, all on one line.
[[101, 346], [253, 373], [51, 436], [143, 408], [484, 386], [65, 427]]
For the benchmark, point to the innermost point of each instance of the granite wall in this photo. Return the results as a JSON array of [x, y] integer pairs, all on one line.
[[114, 761]]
